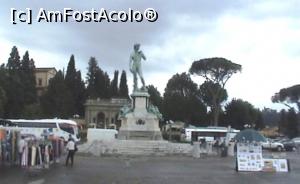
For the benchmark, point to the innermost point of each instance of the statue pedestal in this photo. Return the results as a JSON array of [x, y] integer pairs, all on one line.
[[140, 123]]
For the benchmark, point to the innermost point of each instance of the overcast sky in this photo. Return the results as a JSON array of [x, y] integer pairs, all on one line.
[[262, 36]]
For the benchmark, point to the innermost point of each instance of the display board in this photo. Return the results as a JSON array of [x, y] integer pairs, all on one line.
[[275, 165], [249, 157]]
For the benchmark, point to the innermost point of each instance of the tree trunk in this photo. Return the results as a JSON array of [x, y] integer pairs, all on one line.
[[215, 108], [215, 113]]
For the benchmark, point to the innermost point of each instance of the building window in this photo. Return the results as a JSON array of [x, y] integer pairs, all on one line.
[[40, 81]]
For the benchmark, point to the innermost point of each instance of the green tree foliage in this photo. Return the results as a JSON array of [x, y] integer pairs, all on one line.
[[271, 117], [282, 122], [14, 63], [28, 79], [3, 75], [239, 113], [180, 101], [3, 97], [292, 124], [80, 94], [155, 97], [71, 73], [288, 124], [71, 86], [91, 78], [17, 80], [76, 88], [123, 89], [259, 123], [98, 82], [217, 71], [288, 96], [114, 84], [207, 91], [55, 102], [3, 101], [106, 86], [32, 111], [14, 87]]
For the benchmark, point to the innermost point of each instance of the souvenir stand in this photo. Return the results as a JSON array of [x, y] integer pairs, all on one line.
[[36, 153], [9, 140], [250, 158]]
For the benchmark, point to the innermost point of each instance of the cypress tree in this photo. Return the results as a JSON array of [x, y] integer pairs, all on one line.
[[114, 84], [98, 81], [55, 102], [14, 64], [76, 88], [123, 86], [3, 77], [99, 84], [70, 82], [3, 97], [71, 72], [106, 86], [14, 87], [92, 78], [80, 95], [3, 100], [292, 124], [28, 79]]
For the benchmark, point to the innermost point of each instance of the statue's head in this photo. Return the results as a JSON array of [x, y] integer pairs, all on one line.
[[136, 46]]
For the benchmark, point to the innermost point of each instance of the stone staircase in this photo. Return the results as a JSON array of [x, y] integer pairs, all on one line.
[[141, 147], [135, 147]]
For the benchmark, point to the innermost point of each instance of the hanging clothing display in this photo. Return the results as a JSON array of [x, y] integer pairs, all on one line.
[[28, 152], [9, 146]]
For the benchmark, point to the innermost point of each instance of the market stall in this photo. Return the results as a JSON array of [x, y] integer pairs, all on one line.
[[27, 151], [249, 156]]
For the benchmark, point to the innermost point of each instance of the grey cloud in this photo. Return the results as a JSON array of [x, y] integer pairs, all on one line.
[[111, 43]]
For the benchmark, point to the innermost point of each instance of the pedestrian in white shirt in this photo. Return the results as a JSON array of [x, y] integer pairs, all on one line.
[[21, 148], [71, 151]]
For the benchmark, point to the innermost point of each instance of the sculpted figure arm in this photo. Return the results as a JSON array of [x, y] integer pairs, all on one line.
[[131, 64], [143, 55]]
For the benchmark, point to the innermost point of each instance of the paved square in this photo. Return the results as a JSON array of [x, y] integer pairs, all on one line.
[[149, 170]]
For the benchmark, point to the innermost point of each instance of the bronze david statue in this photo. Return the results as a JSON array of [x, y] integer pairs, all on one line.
[[135, 66]]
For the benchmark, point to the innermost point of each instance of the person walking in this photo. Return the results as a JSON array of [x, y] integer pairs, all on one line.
[[21, 148], [71, 148]]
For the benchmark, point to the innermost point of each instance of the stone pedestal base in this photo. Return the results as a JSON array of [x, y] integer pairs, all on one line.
[[139, 135], [140, 123]]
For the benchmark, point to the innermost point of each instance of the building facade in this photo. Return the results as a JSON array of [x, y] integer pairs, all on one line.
[[103, 113], [42, 77]]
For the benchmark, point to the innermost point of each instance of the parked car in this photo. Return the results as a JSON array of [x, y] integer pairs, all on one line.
[[297, 140], [289, 145], [273, 145]]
